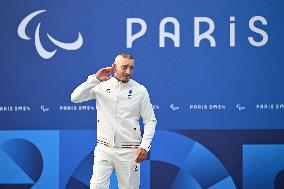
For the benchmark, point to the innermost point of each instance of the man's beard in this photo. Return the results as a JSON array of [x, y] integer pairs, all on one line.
[[122, 78], [125, 80]]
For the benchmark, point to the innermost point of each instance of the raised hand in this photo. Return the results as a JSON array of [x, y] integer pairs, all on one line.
[[104, 73]]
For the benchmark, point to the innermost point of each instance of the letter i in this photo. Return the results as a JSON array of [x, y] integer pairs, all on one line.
[[232, 31]]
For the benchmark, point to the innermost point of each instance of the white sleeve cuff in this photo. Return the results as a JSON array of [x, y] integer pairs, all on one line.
[[92, 79], [145, 146]]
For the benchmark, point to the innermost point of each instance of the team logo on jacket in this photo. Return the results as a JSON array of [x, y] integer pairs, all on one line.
[[108, 90], [130, 94]]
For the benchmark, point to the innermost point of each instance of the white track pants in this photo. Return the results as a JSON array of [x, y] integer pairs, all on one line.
[[121, 160]]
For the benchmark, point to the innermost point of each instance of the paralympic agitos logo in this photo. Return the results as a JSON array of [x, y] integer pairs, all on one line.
[[38, 44]]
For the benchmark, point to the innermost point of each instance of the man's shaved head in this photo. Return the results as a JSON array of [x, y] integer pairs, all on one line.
[[123, 55]]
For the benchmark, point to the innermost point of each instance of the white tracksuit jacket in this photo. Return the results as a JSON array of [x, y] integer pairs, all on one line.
[[119, 107]]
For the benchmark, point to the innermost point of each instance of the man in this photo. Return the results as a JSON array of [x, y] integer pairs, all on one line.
[[120, 101]]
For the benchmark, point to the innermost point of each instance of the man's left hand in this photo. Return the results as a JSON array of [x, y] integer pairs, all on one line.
[[141, 155]]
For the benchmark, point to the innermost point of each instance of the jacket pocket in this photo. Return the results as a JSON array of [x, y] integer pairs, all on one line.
[[136, 129]]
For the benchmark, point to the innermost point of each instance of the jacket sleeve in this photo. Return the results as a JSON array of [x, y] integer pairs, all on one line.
[[85, 92], [149, 120]]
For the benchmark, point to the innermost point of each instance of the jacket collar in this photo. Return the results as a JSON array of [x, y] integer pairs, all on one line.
[[115, 81]]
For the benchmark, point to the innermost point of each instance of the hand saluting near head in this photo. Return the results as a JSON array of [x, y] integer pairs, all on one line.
[[104, 73]]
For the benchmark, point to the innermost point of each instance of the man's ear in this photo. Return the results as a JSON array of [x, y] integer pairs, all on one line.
[[113, 67]]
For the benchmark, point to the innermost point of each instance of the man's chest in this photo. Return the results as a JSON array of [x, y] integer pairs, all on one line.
[[119, 97]]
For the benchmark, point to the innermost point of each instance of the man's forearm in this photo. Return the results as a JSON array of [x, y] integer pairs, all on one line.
[[84, 91], [149, 131]]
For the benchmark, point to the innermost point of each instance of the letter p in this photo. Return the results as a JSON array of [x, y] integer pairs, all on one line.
[[130, 38]]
